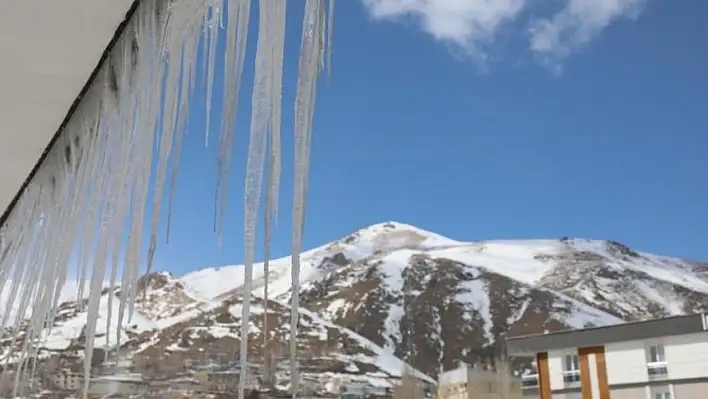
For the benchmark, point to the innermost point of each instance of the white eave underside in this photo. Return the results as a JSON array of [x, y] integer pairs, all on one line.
[[48, 50]]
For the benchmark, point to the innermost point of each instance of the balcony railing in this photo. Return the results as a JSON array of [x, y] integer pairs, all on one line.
[[657, 370], [529, 381], [571, 378]]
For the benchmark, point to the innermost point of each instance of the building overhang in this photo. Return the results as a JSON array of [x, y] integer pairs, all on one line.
[[530, 345], [50, 50]]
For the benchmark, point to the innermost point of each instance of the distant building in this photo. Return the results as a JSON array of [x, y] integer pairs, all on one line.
[[120, 385], [225, 380], [361, 389], [354, 389], [470, 383], [66, 380], [656, 359]]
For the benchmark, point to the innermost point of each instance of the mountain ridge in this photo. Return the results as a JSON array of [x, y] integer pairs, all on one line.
[[511, 287], [392, 293]]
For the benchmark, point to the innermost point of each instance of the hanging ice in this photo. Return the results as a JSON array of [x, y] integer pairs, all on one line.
[[92, 188], [273, 176], [265, 116]]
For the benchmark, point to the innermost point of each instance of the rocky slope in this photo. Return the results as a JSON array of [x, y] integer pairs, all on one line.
[[174, 332], [394, 292], [435, 302]]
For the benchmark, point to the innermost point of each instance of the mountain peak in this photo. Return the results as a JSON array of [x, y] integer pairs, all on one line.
[[360, 295], [389, 236]]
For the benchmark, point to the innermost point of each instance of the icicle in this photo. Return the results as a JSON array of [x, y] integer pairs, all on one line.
[[169, 121], [261, 121], [93, 186], [310, 61], [213, 42], [277, 43], [330, 34], [236, 34], [186, 88]]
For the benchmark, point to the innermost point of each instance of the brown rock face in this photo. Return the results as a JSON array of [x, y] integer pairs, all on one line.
[[392, 290]]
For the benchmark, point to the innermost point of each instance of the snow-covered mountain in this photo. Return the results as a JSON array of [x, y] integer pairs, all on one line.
[[393, 292], [433, 300]]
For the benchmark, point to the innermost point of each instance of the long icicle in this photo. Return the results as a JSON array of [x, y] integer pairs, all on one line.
[[310, 63], [276, 44], [261, 115], [236, 35], [214, 24], [96, 178]]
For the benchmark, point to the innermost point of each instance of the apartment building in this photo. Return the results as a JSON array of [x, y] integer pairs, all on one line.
[[656, 359]]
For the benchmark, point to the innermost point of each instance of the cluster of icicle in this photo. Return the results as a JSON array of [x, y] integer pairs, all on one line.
[[89, 199]]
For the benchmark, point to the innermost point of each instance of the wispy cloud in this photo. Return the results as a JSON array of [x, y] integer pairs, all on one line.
[[555, 38], [473, 25], [468, 24]]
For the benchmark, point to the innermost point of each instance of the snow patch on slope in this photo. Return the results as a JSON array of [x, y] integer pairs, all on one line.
[[526, 261], [65, 332]]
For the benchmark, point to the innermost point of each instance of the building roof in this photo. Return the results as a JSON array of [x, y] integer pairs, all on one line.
[[529, 345], [50, 50], [129, 377]]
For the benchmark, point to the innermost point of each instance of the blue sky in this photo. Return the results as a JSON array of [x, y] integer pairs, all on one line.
[[483, 120]]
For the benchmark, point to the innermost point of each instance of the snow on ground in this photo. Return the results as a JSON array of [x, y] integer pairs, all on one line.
[[526, 261], [517, 259], [579, 315], [675, 271], [69, 292], [514, 258], [384, 359], [393, 280], [385, 237], [61, 336]]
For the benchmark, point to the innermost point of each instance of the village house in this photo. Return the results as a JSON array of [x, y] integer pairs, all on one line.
[[100, 386], [66, 380], [120, 384]]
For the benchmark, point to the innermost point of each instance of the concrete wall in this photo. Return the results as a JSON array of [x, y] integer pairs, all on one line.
[[629, 393], [626, 362], [687, 356], [690, 390]]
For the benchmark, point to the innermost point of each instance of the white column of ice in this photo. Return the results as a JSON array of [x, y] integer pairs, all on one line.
[[93, 188]]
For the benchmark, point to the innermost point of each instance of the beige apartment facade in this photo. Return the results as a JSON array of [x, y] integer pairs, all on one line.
[[656, 359]]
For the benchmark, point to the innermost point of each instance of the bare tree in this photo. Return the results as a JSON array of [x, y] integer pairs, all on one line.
[[507, 386], [270, 361], [495, 382], [409, 387]]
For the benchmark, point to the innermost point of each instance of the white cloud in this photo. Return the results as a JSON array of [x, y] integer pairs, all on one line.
[[468, 24], [573, 27], [474, 24]]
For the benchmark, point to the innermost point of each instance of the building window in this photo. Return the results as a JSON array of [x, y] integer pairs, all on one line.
[[529, 381], [571, 370], [660, 393], [656, 363]]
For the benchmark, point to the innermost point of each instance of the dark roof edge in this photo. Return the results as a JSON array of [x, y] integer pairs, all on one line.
[[72, 109], [606, 327]]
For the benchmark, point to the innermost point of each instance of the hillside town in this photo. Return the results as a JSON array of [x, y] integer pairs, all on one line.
[[183, 338], [62, 377]]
